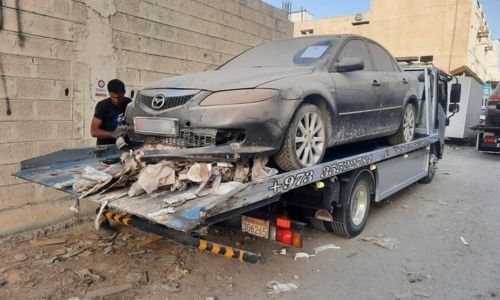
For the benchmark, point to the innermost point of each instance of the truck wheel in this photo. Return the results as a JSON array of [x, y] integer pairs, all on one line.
[[305, 141], [432, 169], [406, 130], [350, 221]]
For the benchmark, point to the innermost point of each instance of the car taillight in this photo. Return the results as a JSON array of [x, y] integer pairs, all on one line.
[[490, 139], [283, 223], [284, 236], [289, 232], [289, 237]]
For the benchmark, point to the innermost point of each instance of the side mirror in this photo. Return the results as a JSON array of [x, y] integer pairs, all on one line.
[[456, 90], [347, 64], [454, 108]]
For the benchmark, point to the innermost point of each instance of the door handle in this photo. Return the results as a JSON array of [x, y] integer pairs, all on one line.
[[375, 83], [405, 81]]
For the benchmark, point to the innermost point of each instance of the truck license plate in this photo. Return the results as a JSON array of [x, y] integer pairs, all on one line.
[[159, 126], [255, 226]]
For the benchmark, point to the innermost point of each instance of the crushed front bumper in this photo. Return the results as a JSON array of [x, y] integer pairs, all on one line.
[[222, 131]]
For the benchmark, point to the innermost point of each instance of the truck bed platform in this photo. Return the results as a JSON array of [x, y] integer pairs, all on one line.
[[58, 170]]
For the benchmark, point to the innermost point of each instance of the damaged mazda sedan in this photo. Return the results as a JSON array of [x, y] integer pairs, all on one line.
[[289, 99]]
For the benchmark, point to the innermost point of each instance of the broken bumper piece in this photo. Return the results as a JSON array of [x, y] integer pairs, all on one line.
[[231, 152]]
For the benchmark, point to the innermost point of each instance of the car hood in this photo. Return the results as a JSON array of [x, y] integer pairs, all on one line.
[[229, 79]]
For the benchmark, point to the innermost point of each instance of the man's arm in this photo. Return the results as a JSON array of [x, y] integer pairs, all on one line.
[[95, 131]]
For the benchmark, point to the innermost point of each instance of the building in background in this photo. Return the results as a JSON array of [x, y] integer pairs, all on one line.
[[301, 15], [454, 32]]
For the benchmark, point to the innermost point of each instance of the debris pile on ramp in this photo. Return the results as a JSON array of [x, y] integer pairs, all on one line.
[[144, 177]]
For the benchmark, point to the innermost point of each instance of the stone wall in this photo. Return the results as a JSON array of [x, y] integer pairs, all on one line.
[[53, 53]]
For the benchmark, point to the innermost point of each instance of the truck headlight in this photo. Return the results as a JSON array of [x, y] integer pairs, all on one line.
[[239, 96]]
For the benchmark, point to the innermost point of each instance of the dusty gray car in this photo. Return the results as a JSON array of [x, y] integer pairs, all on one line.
[[290, 99]]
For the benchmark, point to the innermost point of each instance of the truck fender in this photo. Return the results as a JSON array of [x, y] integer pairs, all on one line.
[[352, 176]]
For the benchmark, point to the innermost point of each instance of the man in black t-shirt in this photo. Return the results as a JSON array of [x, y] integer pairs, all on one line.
[[109, 113]]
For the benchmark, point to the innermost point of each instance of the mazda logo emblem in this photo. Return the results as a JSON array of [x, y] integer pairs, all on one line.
[[158, 101]]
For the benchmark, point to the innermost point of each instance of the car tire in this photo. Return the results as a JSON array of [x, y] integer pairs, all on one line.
[[305, 141], [406, 130]]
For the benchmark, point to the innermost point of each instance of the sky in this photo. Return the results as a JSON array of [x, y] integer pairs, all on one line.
[[332, 8]]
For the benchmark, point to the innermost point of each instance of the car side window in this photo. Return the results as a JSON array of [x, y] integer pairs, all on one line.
[[381, 59], [357, 48]]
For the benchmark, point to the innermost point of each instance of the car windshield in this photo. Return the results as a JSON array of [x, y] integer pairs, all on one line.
[[286, 53], [497, 89]]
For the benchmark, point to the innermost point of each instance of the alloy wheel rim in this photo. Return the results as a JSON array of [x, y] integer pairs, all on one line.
[[409, 123], [359, 204], [310, 139]]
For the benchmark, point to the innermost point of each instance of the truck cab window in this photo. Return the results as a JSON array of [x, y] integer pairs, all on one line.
[[442, 94]]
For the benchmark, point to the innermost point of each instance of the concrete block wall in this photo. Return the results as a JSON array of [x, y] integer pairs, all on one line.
[[53, 52]]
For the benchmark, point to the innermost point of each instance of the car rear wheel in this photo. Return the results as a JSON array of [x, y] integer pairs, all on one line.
[[305, 141], [406, 130]]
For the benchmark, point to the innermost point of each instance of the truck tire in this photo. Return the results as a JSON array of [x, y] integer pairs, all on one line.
[[350, 221], [432, 169], [305, 140], [406, 130]]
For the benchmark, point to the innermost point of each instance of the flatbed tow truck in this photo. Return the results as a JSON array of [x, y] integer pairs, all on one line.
[[488, 131], [334, 195]]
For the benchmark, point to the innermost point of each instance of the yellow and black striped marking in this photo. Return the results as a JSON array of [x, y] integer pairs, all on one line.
[[228, 252], [202, 245], [117, 217]]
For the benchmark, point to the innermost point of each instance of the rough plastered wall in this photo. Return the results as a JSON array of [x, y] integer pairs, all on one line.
[[54, 52]]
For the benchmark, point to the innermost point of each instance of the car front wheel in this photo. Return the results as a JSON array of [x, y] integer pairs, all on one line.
[[305, 141]]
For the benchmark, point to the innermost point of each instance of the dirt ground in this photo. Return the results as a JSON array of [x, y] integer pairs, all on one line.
[[434, 241]]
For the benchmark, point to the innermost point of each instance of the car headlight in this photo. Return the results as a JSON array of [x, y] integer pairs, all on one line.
[[239, 96]]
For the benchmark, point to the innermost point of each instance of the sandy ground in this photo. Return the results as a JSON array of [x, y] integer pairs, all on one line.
[[444, 236]]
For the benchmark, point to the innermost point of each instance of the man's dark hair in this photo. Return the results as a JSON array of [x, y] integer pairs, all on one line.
[[116, 86]]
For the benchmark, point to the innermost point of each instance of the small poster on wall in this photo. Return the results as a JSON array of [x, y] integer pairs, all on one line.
[[100, 88]]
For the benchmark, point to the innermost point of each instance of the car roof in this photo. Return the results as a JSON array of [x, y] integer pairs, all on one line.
[[330, 36]]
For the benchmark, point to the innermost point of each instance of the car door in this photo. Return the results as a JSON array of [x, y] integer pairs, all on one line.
[[391, 94], [357, 106]]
